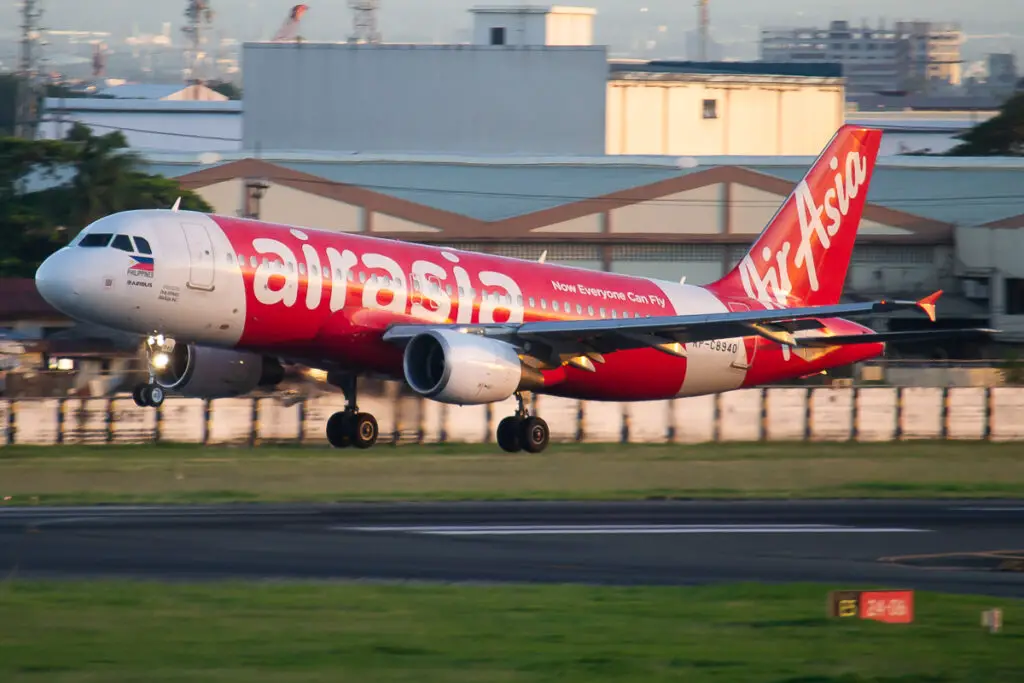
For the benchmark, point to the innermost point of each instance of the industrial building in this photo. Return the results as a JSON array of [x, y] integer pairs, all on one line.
[[912, 56], [532, 82]]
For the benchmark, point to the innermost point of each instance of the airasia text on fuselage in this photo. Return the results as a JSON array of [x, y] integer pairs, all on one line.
[[424, 288]]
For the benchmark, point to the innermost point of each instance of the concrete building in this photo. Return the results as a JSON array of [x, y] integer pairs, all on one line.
[[484, 99], [522, 25], [722, 108], [908, 56], [1002, 75]]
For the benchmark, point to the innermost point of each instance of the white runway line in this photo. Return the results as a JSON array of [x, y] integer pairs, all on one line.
[[628, 529]]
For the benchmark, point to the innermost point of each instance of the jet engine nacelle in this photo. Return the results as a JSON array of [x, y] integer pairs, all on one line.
[[208, 372], [465, 369]]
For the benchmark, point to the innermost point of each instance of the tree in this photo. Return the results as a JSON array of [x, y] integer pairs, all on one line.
[[1002, 135], [227, 88], [50, 189]]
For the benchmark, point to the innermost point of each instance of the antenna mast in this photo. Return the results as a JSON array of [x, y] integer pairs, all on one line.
[[364, 21], [199, 23]]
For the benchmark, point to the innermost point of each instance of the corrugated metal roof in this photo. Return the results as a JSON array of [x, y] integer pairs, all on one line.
[[957, 190], [161, 106], [143, 91], [959, 196], [488, 192]]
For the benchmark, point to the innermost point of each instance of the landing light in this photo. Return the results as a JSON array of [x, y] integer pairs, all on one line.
[[161, 360]]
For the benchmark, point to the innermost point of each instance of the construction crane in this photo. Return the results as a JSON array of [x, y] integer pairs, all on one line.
[[290, 28]]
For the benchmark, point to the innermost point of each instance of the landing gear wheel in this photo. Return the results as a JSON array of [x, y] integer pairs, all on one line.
[[363, 430], [534, 434], [148, 395], [338, 430], [508, 434]]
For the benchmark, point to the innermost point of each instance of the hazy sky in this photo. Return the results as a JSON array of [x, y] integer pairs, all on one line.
[[998, 24]]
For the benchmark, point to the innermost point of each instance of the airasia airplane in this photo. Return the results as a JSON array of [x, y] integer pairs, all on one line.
[[225, 303]]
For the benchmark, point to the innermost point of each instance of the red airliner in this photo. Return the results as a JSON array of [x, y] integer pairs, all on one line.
[[227, 303]]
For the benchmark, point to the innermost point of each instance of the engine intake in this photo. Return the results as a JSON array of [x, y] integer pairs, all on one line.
[[208, 372], [465, 369]]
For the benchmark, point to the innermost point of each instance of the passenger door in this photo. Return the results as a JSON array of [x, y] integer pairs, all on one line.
[[201, 256]]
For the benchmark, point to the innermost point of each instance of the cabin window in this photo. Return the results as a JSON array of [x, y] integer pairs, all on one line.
[[231, 258], [362, 277], [532, 304], [544, 304], [448, 289], [327, 273], [590, 310], [122, 242], [603, 313], [579, 309], [142, 246], [461, 292], [313, 270], [266, 262], [241, 259], [614, 314], [253, 261], [554, 305]]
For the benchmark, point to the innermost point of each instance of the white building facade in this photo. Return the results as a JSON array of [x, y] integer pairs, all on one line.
[[667, 108]]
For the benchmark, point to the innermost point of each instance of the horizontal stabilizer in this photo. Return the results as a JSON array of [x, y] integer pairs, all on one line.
[[885, 337]]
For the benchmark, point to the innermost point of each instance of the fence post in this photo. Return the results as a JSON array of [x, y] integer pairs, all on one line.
[[809, 414]]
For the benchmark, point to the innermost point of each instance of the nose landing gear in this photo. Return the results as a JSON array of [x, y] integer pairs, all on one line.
[[158, 354], [350, 427], [523, 431]]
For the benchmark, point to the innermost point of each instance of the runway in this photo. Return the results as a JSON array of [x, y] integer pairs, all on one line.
[[975, 547]]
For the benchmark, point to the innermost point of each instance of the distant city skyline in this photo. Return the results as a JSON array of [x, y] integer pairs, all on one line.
[[624, 25]]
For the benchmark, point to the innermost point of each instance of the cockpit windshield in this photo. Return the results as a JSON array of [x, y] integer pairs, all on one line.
[[106, 239]]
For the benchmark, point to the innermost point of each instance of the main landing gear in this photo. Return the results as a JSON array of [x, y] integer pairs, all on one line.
[[350, 427], [523, 431], [158, 353]]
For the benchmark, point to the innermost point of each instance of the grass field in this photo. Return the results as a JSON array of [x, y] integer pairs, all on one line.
[[70, 632], [168, 473]]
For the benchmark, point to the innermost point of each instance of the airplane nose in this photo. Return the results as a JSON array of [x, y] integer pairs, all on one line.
[[55, 282]]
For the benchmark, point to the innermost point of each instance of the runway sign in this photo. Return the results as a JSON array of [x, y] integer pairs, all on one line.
[[892, 607]]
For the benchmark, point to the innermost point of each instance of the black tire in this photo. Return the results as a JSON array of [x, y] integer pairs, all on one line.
[[139, 396], [534, 435], [338, 432], [364, 430], [508, 435]]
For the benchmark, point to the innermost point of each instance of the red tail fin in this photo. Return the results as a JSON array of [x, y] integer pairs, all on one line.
[[802, 256]]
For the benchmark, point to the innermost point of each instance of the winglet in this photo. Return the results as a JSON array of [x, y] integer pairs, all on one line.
[[177, 203], [927, 304]]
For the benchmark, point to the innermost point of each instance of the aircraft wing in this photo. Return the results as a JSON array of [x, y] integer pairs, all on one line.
[[909, 336], [668, 333]]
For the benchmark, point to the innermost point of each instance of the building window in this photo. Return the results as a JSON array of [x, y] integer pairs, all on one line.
[[1014, 296], [497, 35], [711, 109]]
